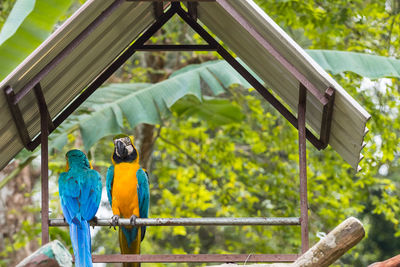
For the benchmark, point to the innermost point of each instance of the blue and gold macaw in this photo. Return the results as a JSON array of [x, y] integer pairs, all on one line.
[[128, 193], [80, 194]]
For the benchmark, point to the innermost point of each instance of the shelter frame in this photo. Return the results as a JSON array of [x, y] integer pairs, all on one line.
[[190, 17]]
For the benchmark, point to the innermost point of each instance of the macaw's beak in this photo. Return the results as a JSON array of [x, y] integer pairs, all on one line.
[[120, 149]]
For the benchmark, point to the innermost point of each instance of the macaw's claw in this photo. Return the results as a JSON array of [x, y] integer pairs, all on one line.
[[94, 220], [132, 220], [114, 221]]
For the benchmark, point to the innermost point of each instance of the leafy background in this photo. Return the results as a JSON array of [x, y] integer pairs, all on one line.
[[240, 162]]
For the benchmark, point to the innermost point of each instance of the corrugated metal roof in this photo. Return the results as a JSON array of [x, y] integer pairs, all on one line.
[[72, 75], [63, 83], [349, 118]]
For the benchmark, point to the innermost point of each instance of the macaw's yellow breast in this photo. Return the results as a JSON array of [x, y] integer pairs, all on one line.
[[124, 190]]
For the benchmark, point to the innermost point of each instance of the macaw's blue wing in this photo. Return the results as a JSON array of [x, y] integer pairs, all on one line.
[[144, 196], [143, 193], [90, 194], [67, 215], [68, 187], [109, 183]]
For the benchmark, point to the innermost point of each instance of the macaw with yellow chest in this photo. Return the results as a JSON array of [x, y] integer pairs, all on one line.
[[128, 193], [80, 193]]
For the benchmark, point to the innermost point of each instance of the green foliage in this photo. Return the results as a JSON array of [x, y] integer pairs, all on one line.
[[5, 9], [215, 111], [236, 158], [26, 28], [360, 26], [367, 27], [104, 112], [365, 65]]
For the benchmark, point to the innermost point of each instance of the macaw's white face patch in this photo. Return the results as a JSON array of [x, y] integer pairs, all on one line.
[[130, 149]]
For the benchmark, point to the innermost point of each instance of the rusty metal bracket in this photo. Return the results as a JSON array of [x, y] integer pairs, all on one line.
[[158, 9], [18, 118], [327, 113], [192, 9], [43, 106]]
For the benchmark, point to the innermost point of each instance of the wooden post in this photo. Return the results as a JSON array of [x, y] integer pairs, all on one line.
[[334, 245], [345, 236], [301, 119], [44, 135]]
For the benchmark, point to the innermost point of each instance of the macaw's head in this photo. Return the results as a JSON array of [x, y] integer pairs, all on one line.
[[76, 158], [124, 149]]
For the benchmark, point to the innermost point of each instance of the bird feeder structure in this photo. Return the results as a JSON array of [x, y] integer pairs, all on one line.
[[103, 34]]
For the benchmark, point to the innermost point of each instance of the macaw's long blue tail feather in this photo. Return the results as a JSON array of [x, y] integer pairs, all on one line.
[[80, 238]]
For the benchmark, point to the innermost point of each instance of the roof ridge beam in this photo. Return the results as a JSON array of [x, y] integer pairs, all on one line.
[[192, 1], [176, 47]]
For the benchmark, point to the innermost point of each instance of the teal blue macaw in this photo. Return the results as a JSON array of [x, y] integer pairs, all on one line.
[[128, 193], [80, 194]]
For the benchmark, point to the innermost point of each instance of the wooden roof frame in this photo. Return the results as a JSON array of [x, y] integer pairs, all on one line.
[[47, 125], [325, 99]]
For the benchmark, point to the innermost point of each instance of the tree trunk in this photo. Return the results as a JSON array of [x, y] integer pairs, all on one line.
[[146, 144], [145, 132], [345, 236]]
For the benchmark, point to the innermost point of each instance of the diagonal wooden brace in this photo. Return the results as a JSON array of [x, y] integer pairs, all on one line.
[[327, 113], [18, 118], [43, 106]]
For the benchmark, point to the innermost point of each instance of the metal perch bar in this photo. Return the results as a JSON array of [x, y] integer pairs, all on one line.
[[190, 221], [196, 258]]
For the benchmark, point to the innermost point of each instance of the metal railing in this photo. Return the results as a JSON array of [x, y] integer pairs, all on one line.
[[189, 221]]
